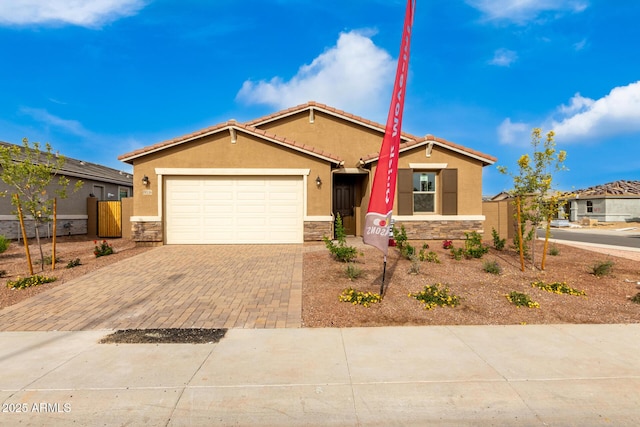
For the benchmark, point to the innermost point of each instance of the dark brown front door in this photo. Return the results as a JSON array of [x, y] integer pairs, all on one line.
[[344, 201]]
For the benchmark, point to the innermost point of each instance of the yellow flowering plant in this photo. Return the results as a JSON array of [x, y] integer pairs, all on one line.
[[521, 300], [558, 288], [359, 298], [433, 295]]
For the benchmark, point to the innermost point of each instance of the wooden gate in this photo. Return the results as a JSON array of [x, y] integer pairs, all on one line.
[[110, 219]]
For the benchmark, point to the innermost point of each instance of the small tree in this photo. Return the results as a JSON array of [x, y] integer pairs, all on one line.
[[533, 183], [29, 172]]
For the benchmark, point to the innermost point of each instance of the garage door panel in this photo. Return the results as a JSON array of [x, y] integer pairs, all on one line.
[[218, 196], [206, 210], [216, 210]]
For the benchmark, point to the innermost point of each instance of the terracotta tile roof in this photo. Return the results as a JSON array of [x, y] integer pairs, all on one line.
[[128, 157], [418, 142], [616, 188], [410, 141]]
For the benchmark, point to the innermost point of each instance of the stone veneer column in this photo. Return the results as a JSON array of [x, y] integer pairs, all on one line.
[[147, 233], [315, 230]]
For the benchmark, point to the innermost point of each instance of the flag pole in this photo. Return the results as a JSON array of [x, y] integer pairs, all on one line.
[[384, 272], [383, 189]]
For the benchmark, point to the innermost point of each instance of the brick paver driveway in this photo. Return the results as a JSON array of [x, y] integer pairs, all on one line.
[[182, 286]]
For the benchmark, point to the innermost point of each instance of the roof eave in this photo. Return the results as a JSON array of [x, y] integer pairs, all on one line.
[[238, 127]]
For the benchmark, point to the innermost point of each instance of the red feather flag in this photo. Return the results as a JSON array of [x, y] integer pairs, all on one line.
[[383, 191]]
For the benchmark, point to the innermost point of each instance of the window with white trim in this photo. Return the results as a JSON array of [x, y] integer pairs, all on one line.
[[424, 192], [589, 206]]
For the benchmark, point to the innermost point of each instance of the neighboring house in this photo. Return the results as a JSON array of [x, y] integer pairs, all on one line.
[[611, 202], [100, 182], [283, 178]]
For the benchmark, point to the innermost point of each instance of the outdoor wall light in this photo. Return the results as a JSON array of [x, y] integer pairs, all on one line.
[[318, 181], [145, 180]]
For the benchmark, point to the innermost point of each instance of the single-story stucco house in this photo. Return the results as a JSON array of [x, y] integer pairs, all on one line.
[[611, 202], [284, 177], [99, 182]]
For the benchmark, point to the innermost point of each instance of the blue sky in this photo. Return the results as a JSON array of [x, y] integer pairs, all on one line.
[[101, 78]]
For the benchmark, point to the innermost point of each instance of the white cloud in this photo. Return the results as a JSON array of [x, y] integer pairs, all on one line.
[[43, 116], [580, 45], [354, 75], [84, 13], [577, 104], [616, 113], [523, 11], [504, 57], [513, 133]]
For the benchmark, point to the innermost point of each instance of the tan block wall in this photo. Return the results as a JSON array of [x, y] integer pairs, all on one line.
[[127, 212], [499, 216]]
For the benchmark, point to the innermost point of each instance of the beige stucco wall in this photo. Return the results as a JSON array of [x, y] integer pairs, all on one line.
[[217, 151], [346, 139], [469, 176]]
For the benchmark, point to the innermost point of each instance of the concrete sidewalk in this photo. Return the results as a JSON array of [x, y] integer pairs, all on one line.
[[534, 375]]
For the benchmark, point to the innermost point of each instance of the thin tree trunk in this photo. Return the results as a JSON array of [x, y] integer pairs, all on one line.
[[24, 234], [546, 241], [39, 246], [53, 242], [520, 234]]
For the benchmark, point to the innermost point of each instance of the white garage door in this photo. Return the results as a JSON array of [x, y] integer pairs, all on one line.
[[228, 210]]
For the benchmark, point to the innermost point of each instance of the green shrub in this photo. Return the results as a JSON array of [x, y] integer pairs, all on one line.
[[636, 298], [473, 247], [353, 271], [521, 300], [558, 288], [4, 244], [341, 251], [602, 268], [492, 267], [422, 255], [554, 251], [498, 243], [102, 249], [47, 259], [73, 263], [407, 251], [432, 296], [432, 257], [359, 297], [457, 253], [21, 283], [400, 237]]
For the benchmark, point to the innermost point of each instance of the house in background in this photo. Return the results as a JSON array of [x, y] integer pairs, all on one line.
[[100, 182], [612, 202], [284, 177]]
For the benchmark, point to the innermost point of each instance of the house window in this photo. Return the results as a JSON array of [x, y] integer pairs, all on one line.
[[123, 193], [424, 192], [589, 206]]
